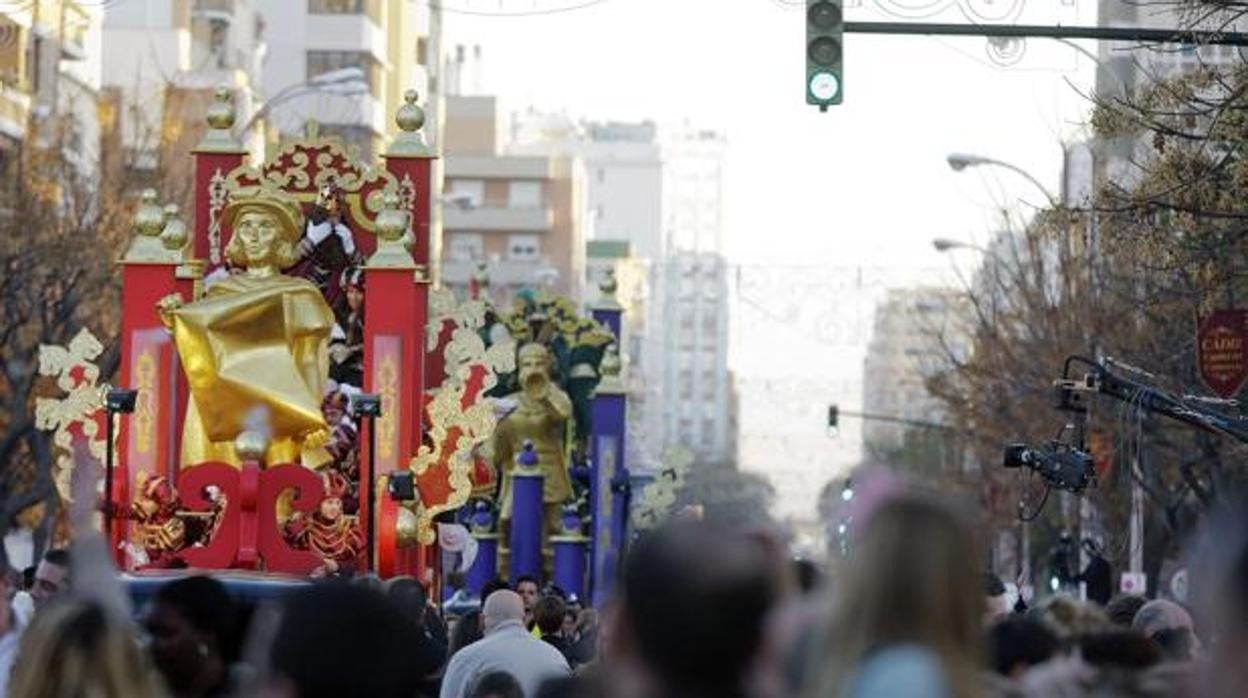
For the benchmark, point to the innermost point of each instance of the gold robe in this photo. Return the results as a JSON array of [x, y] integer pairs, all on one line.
[[546, 425], [255, 352]]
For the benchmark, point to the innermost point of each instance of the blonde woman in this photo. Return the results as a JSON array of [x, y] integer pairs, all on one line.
[[905, 618], [76, 648]]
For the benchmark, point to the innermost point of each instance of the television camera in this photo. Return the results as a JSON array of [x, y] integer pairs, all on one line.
[[1069, 466]]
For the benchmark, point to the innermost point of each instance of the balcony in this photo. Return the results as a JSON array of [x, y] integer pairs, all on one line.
[[347, 32], [498, 167], [14, 111], [502, 273], [499, 219], [76, 23]]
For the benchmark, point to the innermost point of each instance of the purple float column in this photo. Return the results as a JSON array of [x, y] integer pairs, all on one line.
[[607, 449], [610, 513], [570, 554], [485, 568], [526, 515]]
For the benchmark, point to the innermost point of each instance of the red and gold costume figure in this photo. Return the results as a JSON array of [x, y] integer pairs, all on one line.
[[327, 246], [342, 453], [328, 532], [162, 533], [346, 343]]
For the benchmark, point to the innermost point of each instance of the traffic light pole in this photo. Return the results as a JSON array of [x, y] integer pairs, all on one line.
[[1023, 31], [866, 416]]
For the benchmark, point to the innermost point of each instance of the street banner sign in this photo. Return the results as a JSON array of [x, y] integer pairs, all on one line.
[[1222, 352], [1133, 583]]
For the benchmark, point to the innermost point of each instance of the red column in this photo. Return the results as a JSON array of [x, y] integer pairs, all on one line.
[[215, 157], [392, 347], [148, 364], [396, 313]]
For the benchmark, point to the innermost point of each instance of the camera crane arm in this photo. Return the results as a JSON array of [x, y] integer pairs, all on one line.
[[1105, 381]]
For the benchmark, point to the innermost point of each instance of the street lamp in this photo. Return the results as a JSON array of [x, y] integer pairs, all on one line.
[[961, 161], [345, 82], [116, 401], [367, 406], [947, 244]]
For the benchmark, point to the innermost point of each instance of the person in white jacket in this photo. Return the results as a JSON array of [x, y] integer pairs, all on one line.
[[506, 647]]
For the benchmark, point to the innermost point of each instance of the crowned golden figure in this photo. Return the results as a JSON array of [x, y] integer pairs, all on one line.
[[542, 415], [255, 346]]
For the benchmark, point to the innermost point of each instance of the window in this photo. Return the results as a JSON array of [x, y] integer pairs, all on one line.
[[372, 8], [524, 194], [466, 247], [321, 62], [471, 191], [422, 50], [523, 248], [602, 175]]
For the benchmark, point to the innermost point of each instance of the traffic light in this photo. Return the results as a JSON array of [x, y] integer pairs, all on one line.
[[825, 25], [834, 414]]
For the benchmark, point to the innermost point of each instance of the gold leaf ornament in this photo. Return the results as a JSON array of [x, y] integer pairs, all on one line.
[[81, 401]]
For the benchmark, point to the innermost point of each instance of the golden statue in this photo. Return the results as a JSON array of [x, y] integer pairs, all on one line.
[[542, 415], [255, 347]]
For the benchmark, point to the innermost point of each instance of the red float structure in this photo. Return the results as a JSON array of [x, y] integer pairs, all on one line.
[[284, 517]]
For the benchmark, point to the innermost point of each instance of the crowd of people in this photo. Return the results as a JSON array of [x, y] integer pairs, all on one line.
[[698, 612]]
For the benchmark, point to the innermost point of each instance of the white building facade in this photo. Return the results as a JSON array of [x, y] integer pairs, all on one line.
[[915, 334], [661, 190]]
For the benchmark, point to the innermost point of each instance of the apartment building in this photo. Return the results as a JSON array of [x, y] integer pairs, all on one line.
[[392, 42], [49, 78], [524, 215]]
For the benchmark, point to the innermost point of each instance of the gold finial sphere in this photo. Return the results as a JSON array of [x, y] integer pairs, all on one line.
[[221, 114], [410, 117], [251, 445], [392, 221], [406, 528], [175, 235], [149, 219]]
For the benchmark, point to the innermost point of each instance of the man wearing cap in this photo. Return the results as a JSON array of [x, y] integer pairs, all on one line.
[[255, 346]]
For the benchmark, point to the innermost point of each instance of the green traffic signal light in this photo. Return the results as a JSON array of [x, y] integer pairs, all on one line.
[[825, 25]]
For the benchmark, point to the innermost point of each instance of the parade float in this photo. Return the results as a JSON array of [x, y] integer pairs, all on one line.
[[297, 395]]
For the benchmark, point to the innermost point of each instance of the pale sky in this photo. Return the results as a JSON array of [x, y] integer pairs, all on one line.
[[862, 185]]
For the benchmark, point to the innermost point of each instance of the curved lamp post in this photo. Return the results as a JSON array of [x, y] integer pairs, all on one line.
[[961, 161], [346, 82]]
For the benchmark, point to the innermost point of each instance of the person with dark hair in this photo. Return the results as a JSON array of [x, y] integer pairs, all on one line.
[[1098, 576], [492, 586], [529, 590], [693, 608], [996, 605], [1017, 643], [51, 577], [497, 684], [548, 617], [428, 656], [505, 647], [807, 575], [467, 630], [1121, 649], [1176, 644], [337, 640], [1122, 608], [194, 636]]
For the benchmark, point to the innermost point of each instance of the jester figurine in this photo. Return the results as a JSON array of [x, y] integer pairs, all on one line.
[[328, 532], [327, 246]]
